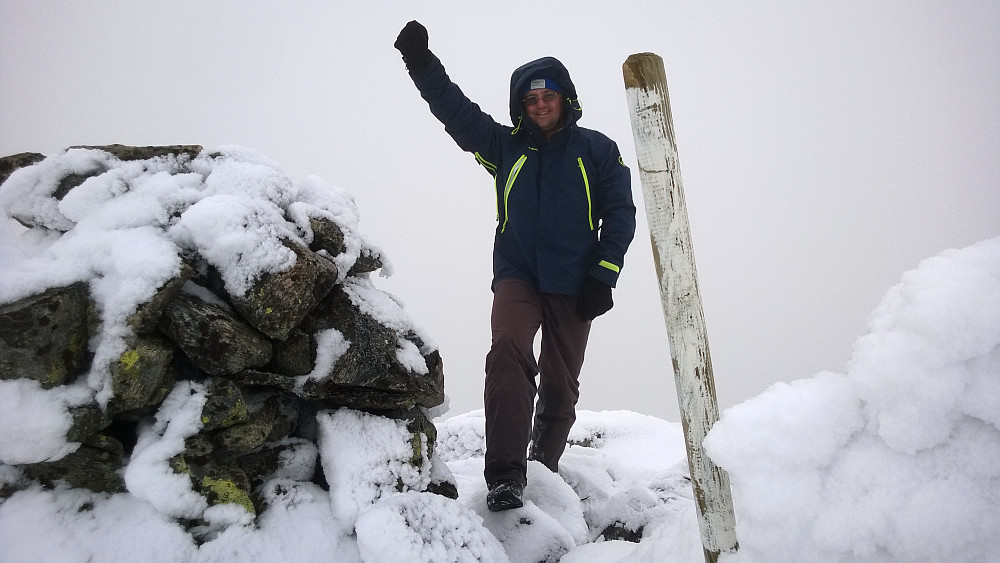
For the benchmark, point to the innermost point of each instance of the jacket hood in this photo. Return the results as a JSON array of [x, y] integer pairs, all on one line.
[[548, 67]]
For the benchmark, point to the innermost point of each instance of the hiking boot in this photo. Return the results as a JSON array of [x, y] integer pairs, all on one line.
[[505, 495]]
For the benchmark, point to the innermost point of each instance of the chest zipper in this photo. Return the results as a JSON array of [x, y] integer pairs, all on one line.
[[514, 171], [586, 187]]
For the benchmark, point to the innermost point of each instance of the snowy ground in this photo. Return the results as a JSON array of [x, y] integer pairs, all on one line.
[[895, 459], [631, 473]]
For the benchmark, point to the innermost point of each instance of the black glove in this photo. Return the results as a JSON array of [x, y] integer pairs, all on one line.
[[594, 299], [412, 43]]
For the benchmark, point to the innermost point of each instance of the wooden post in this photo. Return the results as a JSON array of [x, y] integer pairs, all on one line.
[[673, 255]]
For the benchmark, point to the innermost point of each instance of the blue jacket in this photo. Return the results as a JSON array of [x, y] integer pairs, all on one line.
[[564, 206]]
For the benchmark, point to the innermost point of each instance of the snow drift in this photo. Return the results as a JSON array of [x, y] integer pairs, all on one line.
[[898, 459]]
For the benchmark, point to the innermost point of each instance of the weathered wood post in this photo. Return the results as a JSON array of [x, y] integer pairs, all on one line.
[[673, 255]]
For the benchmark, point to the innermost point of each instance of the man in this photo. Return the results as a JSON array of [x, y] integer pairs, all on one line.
[[565, 218]]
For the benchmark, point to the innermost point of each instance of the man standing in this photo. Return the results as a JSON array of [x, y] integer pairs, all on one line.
[[565, 218]]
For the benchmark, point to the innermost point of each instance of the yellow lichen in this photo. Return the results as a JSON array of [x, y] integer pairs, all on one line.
[[417, 443], [226, 491], [238, 413], [57, 368], [55, 375], [129, 359], [179, 465]]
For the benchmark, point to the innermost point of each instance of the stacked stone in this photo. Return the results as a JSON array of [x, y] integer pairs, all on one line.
[[251, 352]]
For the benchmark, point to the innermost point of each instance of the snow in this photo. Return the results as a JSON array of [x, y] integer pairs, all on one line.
[[388, 310], [330, 346], [237, 236], [148, 475], [366, 457], [426, 528], [41, 419], [128, 227], [897, 458]]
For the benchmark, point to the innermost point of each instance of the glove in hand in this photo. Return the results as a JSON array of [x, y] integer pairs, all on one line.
[[594, 299], [412, 44]]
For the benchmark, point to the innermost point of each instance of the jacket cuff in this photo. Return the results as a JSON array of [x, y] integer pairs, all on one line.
[[606, 272]]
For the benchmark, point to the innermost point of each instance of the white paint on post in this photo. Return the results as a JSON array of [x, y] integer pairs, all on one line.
[[670, 235]]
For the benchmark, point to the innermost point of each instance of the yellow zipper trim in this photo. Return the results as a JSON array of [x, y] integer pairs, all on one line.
[[586, 185], [492, 169], [489, 166], [510, 183]]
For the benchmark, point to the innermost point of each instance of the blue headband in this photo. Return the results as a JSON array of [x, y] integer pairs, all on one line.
[[540, 82]]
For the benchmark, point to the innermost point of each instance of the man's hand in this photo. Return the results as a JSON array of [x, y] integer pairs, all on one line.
[[412, 43], [594, 299]]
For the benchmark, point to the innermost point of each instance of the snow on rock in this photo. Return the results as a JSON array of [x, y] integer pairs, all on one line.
[[298, 525], [530, 534], [555, 497], [21, 194], [626, 500], [621, 471], [76, 525], [549, 525], [931, 348], [150, 238], [425, 528], [462, 436], [42, 420], [238, 235], [122, 225], [366, 457], [676, 539], [899, 458], [149, 475]]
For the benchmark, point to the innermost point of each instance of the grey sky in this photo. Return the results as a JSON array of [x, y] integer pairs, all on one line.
[[826, 147]]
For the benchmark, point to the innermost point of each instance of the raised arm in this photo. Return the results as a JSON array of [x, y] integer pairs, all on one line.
[[471, 128]]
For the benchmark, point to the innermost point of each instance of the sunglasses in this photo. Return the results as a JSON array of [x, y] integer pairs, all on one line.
[[533, 99]]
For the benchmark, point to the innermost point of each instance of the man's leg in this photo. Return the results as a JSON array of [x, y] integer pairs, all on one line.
[[564, 341], [510, 380]]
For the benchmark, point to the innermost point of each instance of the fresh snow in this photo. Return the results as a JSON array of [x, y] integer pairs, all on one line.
[[895, 459], [898, 459]]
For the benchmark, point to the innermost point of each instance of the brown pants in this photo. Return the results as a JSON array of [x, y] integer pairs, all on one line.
[[519, 311]]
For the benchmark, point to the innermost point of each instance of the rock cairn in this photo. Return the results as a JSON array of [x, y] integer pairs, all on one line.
[[299, 339]]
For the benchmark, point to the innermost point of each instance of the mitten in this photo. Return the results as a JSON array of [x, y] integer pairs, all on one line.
[[594, 299], [412, 43]]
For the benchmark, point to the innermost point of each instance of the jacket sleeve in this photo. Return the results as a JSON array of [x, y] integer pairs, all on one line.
[[472, 129], [617, 214]]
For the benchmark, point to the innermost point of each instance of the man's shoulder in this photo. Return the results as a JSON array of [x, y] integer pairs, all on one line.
[[595, 139], [593, 134]]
